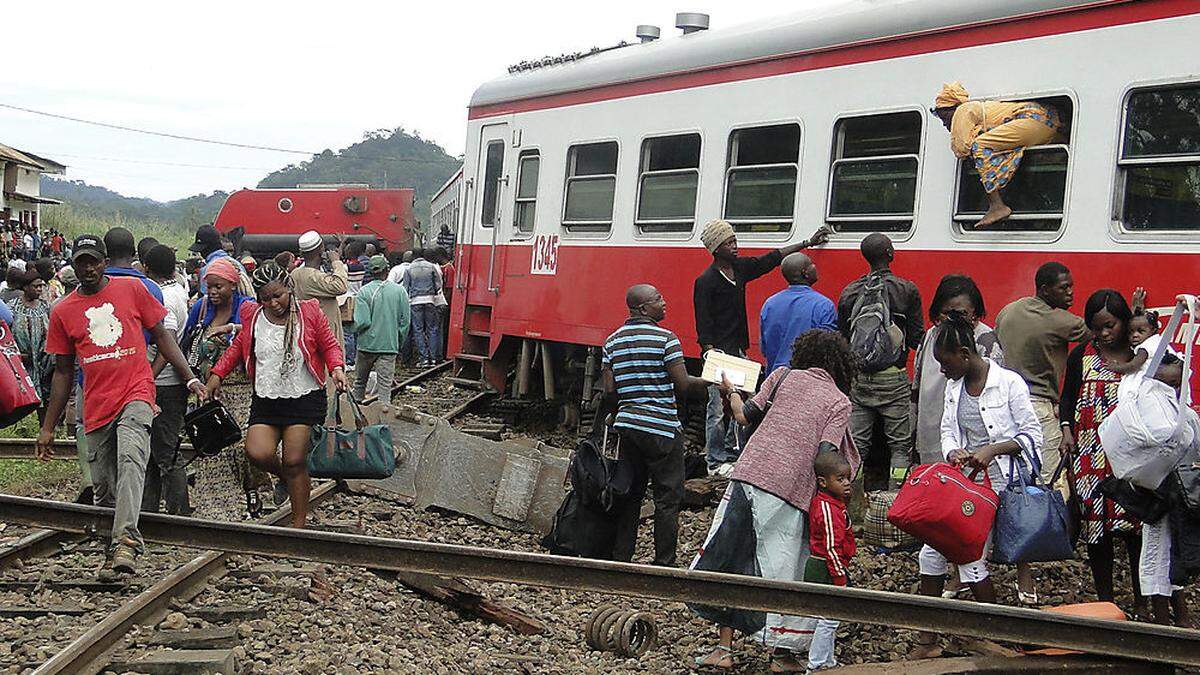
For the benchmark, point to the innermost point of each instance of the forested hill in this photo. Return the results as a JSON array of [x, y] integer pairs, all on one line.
[[384, 158], [390, 158]]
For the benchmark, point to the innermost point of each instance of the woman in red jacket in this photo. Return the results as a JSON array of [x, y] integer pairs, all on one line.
[[286, 348]]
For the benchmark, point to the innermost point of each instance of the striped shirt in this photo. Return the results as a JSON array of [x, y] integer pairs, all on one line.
[[638, 354]]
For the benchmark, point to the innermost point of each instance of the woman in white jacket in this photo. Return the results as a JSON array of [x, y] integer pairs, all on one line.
[[988, 425]]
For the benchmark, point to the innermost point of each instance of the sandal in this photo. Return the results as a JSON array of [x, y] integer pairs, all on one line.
[[723, 660], [956, 594], [1029, 599]]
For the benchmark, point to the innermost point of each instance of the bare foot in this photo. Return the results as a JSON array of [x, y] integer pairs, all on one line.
[[994, 215]]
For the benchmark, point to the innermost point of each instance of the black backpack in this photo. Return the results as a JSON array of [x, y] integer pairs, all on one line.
[[874, 336], [598, 474]]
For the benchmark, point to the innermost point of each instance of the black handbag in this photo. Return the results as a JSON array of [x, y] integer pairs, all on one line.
[[599, 475], [211, 429], [1185, 488], [1148, 506]]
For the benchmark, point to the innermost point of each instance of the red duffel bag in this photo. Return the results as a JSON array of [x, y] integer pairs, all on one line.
[[943, 508], [18, 395]]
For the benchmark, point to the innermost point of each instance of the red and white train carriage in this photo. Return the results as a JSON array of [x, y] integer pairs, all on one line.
[[583, 178]]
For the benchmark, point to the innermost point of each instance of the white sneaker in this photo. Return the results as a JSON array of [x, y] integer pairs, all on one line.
[[722, 470]]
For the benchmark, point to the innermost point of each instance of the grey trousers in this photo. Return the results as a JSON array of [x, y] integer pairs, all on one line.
[[166, 477], [384, 366], [117, 454], [883, 396]]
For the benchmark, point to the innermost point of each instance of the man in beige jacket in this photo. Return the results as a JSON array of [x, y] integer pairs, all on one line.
[[323, 277]]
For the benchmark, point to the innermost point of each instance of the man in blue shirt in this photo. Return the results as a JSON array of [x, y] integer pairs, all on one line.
[[208, 244], [794, 310], [121, 251]]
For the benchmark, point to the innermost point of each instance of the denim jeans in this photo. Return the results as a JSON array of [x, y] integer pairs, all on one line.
[[427, 328], [720, 435], [885, 397], [820, 650], [351, 343]]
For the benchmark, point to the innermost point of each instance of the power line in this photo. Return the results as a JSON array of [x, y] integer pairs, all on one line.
[[211, 141], [158, 163]]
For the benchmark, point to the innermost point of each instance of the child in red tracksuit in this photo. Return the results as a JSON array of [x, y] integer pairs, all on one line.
[[831, 545]]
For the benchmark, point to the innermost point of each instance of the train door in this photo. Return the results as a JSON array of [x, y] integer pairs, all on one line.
[[485, 197]]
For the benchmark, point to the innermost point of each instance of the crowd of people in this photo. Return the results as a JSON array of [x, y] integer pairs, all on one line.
[[1027, 395], [118, 336]]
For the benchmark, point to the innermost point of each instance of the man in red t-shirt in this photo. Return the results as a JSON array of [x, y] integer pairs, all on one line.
[[101, 324]]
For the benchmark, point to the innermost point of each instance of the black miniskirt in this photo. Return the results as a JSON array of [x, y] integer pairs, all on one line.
[[310, 409]]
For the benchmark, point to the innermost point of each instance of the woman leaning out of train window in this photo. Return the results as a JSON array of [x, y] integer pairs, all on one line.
[[286, 348], [988, 426], [762, 521]]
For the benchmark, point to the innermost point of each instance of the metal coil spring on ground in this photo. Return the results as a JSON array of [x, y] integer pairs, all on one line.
[[628, 633]]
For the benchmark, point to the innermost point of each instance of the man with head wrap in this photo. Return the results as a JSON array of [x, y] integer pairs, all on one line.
[[719, 299], [994, 135]]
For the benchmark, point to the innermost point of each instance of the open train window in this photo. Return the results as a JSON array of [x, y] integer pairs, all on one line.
[[493, 167], [873, 177], [760, 181], [668, 177], [1160, 160], [1037, 193], [591, 187], [525, 208]]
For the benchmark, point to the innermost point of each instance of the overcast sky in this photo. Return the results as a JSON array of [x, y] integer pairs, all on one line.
[[302, 75]]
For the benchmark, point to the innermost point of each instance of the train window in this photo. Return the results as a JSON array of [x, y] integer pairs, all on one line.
[[526, 199], [873, 178], [591, 187], [1036, 193], [1160, 160], [493, 167], [667, 182], [760, 183]]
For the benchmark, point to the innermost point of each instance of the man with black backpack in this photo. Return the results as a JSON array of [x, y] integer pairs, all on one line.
[[880, 314]]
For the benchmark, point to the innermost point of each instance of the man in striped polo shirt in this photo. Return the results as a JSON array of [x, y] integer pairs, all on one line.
[[643, 373]]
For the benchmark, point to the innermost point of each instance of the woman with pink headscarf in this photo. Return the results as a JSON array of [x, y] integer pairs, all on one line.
[[211, 326]]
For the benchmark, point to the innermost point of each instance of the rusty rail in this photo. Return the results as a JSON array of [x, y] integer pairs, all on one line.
[[1138, 641], [88, 652]]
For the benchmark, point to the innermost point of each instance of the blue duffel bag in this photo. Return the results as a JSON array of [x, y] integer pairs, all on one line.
[[1031, 522]]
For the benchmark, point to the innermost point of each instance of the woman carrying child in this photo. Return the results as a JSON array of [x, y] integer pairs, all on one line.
[[286, 347], [760, 527], [988, 426]]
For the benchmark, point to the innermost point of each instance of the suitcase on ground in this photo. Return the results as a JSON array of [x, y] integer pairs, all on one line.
[[943, 508]]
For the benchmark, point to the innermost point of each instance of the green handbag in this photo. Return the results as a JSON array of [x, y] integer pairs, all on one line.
[[362, 452]]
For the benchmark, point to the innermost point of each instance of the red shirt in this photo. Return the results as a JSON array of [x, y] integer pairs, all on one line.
[[448, 275], [104, 332], [830, 537]]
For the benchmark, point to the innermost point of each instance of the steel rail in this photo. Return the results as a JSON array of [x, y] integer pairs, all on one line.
[[25, 448], [397, 388], [1139, 641], [33, 545], [87, 653]]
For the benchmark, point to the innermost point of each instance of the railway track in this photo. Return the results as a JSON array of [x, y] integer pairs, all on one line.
[[90, 651], [1130, 640]]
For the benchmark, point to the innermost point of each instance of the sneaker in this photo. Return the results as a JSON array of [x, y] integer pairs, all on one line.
[[280, 495], [721, 470], [124, 559]]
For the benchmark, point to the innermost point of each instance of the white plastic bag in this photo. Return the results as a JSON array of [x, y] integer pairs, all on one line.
[[1152, 426]]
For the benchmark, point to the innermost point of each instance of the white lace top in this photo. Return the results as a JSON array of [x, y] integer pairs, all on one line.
[[268, 353]]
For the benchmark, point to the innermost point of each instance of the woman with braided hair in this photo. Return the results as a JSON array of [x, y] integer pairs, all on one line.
[[286, 348]]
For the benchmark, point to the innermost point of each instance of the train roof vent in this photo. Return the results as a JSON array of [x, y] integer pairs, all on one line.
[[691, 22], [647, 33]]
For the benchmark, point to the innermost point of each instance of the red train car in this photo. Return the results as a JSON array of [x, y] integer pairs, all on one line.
[[272, 220]]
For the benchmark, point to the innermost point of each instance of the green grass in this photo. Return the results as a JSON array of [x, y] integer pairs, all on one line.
[[22, 475], [73, 221]]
